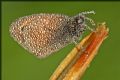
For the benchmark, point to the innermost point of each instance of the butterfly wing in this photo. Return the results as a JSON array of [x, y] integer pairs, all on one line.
[[37, 33]]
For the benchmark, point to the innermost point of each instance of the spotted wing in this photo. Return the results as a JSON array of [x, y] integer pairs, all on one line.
[[37, 32]]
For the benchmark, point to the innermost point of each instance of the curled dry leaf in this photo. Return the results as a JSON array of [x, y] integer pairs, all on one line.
[[77, 61]]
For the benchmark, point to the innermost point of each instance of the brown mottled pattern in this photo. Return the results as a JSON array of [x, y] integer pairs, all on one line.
[[37, 32]]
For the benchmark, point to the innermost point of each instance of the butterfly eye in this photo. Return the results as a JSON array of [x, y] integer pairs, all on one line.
[[79, 20]]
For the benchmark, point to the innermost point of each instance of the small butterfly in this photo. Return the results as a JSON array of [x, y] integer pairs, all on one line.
[[43, 34]]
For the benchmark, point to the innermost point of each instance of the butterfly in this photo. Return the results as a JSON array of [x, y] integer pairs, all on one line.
[[43, 34]]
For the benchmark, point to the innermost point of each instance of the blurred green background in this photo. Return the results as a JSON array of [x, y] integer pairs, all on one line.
[[19, 64]]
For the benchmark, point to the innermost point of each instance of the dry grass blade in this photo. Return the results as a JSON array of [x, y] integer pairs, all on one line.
[[77, 61]]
